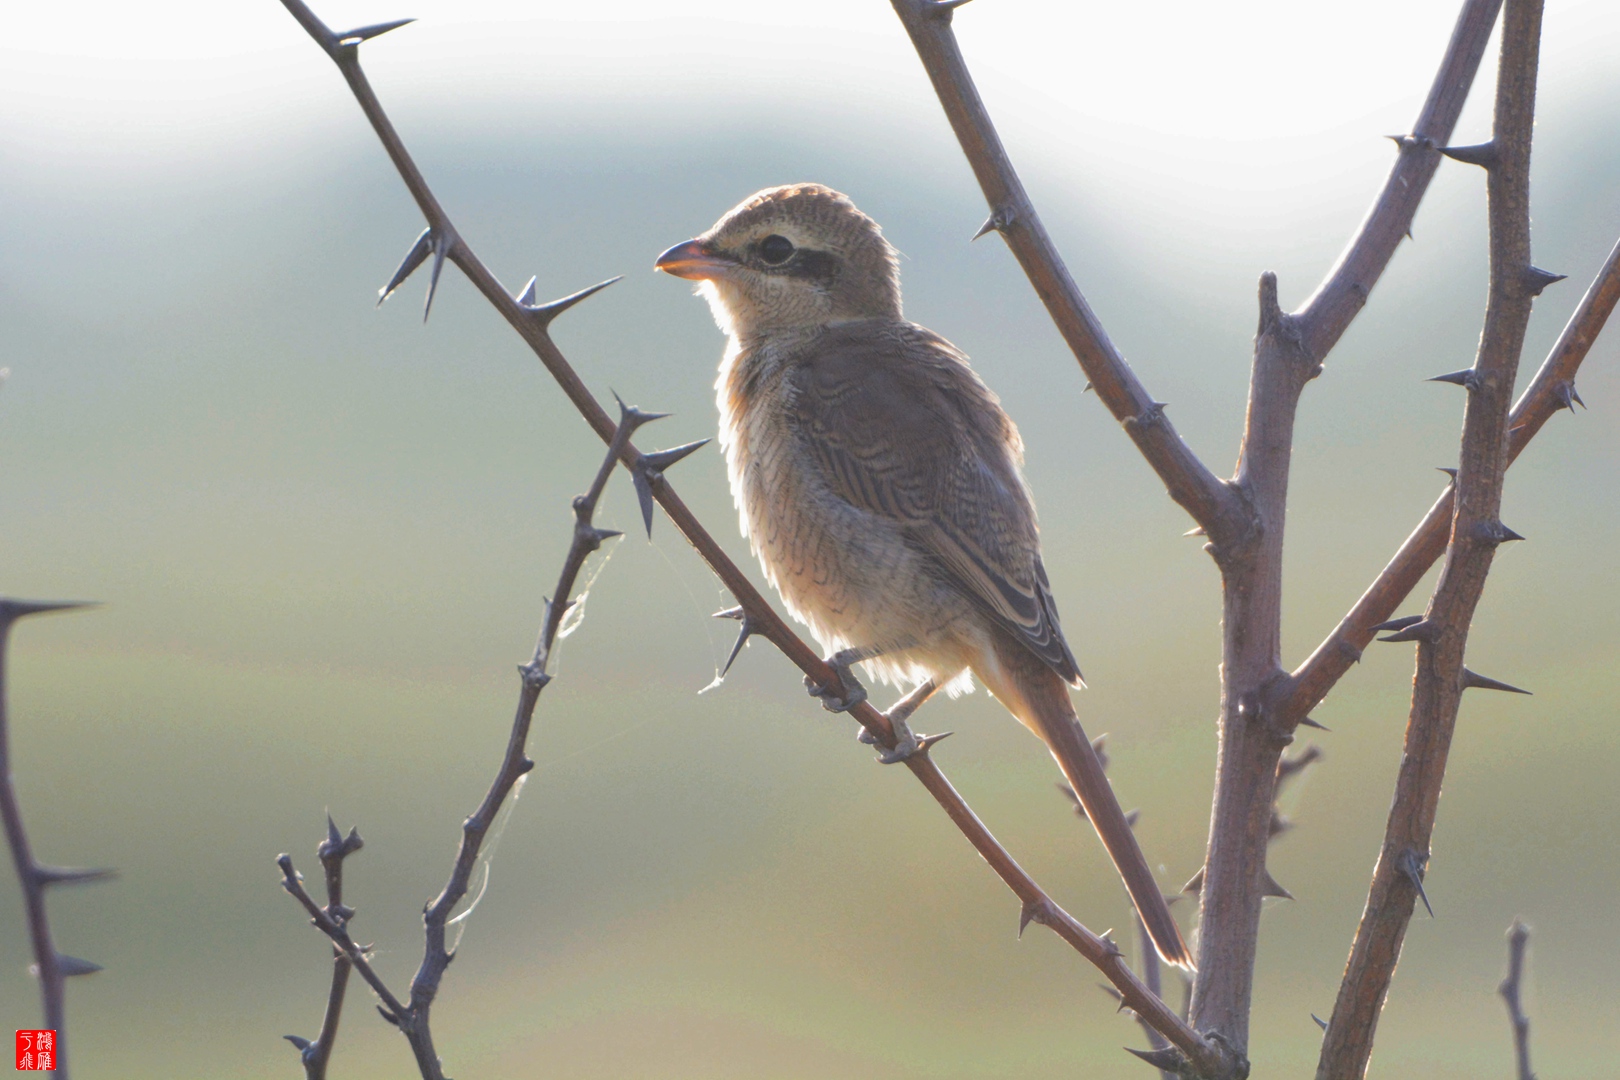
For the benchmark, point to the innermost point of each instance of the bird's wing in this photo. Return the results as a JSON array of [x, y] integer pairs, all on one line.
[[901, 426]]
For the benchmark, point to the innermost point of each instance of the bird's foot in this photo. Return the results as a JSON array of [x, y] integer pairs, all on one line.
[[905, 743], [853, 692]]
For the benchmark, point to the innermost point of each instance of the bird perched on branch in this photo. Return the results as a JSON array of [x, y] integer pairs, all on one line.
[[879, 482]]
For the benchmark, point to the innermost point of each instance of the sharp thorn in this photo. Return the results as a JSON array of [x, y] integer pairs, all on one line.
[[1132, 817], [1422, 630], [629, 414], [1449, 472], [1119, 998], [1481, 154], [1032, 912], [420, 249], [1088, 388], [1536, 279], [299, 1041], [1396, 624], [1195, 884], [526, 297], [545, 313], [1321, 1023], [1274, 889], [1168, 1060], [924, 742], [1306, 721], [71, 966], [744, 632], [388, 1016], [366, 33], [441, 248], [1465, 378], [1494, 532], [1473, 680], [333, 837], [999, 219], [1411, 867], [1196, 530], [663, 459], [1566, 395], [73, 875], [644, 496]]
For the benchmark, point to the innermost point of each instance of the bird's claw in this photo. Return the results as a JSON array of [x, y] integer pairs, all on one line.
[[905, 743], [854, 692]]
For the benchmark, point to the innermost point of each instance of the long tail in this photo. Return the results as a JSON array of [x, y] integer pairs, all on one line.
[[1039, 698]]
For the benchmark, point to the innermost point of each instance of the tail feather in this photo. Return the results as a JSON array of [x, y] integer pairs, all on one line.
[[1039, 698]]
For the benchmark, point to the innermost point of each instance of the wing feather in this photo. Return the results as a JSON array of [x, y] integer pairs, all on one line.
[[901, 426]]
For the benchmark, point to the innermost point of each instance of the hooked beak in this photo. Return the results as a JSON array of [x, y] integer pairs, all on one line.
[[694, 260]]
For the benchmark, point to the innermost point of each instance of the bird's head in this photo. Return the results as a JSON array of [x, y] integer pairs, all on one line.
[[791, 258]]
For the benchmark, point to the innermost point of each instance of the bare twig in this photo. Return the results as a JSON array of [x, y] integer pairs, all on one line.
[[1288, 353], [1476, 532], [332, 851], [530, 321], [1518, 938], [1211, 503], [1243, 518], [51, 967], [414, 1019], [1552, 390]]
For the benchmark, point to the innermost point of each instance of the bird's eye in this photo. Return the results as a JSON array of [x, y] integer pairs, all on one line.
[[775, 249]]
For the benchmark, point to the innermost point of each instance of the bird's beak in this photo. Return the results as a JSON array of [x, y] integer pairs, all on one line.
[[695, 260]]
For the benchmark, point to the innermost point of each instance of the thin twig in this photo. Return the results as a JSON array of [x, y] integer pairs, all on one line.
[[1551, 391], [1289, 352], [331, 851], [1476, 532], [1244, 518], [530, 322], [1518, 937], [1190, 483], [52, 968], [414, 1019]]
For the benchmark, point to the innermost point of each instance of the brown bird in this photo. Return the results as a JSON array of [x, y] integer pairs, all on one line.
[[880, 484]]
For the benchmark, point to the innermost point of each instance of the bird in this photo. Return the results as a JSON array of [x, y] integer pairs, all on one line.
[[880, 484]]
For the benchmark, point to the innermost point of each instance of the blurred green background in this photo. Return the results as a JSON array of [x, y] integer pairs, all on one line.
[[323, 533]]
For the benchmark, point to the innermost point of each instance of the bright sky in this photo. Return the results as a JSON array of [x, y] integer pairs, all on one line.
[[1221, 113], [1248, 70]]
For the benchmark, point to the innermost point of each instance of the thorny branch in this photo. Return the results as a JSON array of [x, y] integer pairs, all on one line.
[[1518, 938], [1211, 503], [1244, 517], [331, 851], [413, 1018], [1476, 532], [1552, 390], [531, 322], [52, 968]]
